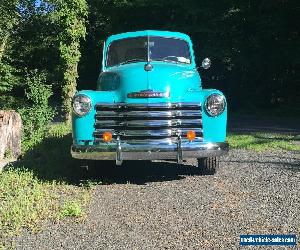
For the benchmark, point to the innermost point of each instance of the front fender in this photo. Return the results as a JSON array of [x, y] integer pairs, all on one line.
[[83, 127], [214, 128]]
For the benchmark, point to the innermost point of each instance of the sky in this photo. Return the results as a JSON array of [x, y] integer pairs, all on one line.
[[37, 3]]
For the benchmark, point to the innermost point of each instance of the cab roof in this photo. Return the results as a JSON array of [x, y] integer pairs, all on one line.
[[148, 33]]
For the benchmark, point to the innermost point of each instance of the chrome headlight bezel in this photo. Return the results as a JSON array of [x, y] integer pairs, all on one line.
[[82, 105], [215, 104]]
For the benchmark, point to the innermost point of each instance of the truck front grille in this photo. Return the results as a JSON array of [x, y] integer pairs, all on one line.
[[148, 121]]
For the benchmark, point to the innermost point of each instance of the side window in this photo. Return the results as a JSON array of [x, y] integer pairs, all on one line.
[[112, 59]]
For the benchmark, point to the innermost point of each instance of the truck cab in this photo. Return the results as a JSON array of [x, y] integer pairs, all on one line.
[[149, 104]]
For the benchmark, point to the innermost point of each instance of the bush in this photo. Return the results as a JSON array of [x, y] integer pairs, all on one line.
[[37, 116], [8, 78]]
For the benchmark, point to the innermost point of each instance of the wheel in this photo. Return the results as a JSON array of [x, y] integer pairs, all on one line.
[[208, 166]]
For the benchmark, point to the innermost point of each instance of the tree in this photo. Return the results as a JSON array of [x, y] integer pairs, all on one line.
[[8, 19], [70, 16]]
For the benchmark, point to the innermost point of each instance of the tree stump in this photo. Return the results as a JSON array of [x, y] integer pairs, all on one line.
[[10, 133]]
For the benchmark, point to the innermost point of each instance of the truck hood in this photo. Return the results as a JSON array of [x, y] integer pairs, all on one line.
[[170, 78]]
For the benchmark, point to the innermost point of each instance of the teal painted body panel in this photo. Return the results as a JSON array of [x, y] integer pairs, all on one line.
[[175, 79], [83, 127], [181, 81]]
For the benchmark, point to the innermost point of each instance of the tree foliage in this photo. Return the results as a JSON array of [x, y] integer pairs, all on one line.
[[9, 18], [37, 114], [252, 44], [70, 17]]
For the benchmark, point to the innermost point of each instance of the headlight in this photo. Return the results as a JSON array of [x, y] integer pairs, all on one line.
[[215, 104], [82, 104]]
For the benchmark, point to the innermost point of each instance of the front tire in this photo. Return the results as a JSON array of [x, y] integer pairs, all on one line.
[[208, 166]]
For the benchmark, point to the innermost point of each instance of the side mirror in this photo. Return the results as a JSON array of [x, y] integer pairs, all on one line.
[[206, 63]]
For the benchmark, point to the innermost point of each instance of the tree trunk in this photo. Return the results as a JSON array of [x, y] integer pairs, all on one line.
[[10, 133], [2, 46]]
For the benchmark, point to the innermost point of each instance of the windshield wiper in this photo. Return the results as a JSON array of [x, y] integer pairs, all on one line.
[[165, 60], [132, 60]]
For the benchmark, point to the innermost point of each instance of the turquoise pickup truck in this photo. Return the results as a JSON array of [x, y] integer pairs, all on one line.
[[149, 104]]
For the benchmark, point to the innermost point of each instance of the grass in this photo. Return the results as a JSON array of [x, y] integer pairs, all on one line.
[[46, 185], [71, 209], [263, 141], [24, 200]]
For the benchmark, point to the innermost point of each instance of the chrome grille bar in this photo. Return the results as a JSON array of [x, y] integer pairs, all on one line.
[[148, 123], [173, 114], [147, 106]]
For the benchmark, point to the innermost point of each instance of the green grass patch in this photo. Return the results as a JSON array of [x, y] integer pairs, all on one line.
[[24, 200], [263, 141], [71, 209], [59, 130], [46, 184]]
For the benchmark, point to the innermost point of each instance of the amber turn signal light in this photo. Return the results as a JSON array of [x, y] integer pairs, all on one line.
[[191, 135], [107, 136]]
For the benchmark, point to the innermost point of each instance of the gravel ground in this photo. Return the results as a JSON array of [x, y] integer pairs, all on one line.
[[166, 206], [266, 124]]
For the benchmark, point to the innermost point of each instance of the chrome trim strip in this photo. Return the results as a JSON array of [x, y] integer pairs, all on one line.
[[107, 151], [159, 142], [152, 114], [165, 105], [149, 132], [148, 123], [148, 93], [179, 150], [119, 153], [110, 114], [162, 132]]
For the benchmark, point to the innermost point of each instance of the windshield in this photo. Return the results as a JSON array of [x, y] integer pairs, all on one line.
[[137, 49]]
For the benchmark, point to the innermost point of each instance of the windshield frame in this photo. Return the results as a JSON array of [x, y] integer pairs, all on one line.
[[188, 43]]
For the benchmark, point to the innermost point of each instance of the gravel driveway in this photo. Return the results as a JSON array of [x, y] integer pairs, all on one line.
[[165, 206]]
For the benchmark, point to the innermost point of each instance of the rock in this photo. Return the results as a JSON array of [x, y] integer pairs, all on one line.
[[10, 133]]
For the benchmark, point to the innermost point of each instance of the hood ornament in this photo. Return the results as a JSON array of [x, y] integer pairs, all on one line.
[[148, 93], [148, 67]]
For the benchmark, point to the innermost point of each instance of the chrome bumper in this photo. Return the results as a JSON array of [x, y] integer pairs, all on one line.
[[143, 150]]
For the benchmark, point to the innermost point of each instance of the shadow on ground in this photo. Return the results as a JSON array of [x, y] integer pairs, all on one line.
[[141, 172], [51, 160]]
